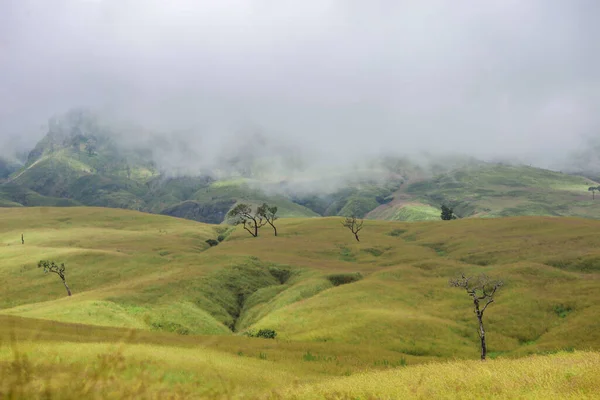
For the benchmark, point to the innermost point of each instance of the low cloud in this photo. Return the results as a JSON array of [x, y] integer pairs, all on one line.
[[335, 81]]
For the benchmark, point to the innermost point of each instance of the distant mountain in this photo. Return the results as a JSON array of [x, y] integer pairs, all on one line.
[[7, 167], [494, 190], [83, 161]]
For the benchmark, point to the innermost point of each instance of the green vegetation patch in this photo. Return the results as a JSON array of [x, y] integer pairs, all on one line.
[[417, 213], [582, 264], [344, 279]]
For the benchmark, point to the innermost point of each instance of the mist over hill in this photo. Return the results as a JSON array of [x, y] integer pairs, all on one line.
[[323, 108], [88, 159], [501, 79]]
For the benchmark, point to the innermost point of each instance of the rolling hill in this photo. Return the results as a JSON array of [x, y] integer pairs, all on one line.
[[153, 284], [493, 190], [130, 269]]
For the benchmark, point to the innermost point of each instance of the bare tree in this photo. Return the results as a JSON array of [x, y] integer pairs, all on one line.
[[482, 291], [50, 266], [354, 225], [242, 214], [268, 213]]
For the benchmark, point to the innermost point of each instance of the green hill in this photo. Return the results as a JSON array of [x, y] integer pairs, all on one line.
[[493, 190], [81, 162], [84, 160], [137, 270], [157, 275]]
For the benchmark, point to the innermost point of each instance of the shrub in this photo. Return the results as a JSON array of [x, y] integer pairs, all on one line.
[[266, 334], [562, 311], [342, 279], [173, 327], [212, 242], [220, 238], [263, 333]]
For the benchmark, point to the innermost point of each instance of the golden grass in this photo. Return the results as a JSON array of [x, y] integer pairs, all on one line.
[[35, 370], [559, 376]]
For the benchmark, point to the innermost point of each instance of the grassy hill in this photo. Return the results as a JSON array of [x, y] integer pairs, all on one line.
[[493, 190], [69, 177], [147, 290], [136, 270], [83, 160]]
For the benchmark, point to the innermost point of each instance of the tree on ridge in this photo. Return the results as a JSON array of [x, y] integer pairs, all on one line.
[[269, 214], [242, 214], [354, 225]]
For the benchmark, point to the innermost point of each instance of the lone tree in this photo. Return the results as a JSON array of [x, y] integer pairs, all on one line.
[[50, 266], [482, 291], [593, 190], [268, 213], [354, 225], [447, 213], [242, 214]]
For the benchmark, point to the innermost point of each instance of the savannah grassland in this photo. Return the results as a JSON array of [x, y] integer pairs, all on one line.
[[156, 313]]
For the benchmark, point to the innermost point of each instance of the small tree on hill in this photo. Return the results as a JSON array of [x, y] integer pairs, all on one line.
[[481, 291], [447, 213], [268, 213], [242, 214], [51, 266], [354, 225], [593, 190]]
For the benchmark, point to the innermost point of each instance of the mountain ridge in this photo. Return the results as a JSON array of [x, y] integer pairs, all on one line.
[[80, 161]]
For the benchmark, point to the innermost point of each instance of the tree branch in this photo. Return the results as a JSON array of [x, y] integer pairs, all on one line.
[[246, 227], [490, 301]]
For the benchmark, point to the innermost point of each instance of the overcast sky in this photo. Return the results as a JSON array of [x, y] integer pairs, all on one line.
[[493, 77]]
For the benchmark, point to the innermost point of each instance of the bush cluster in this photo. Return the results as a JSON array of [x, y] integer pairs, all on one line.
[[342, 279], [263, 333]]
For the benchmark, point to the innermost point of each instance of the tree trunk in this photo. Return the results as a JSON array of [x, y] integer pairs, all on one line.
[[356, 236], [67, 287], [482, 337], [274, 229], [255, 229]]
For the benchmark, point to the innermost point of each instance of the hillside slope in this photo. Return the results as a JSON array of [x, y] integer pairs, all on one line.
[[493, 190], [129, 269], [81, 161], [84, 160], [71, 361]]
